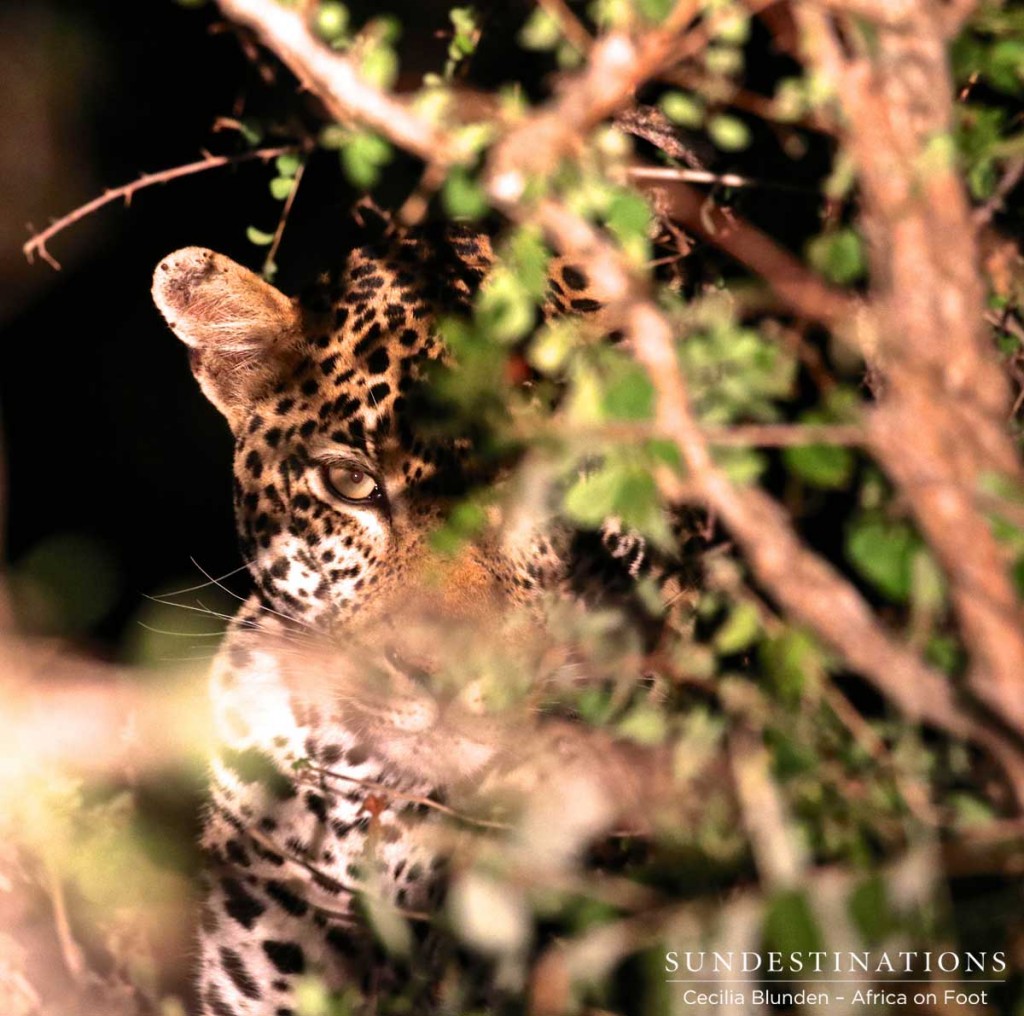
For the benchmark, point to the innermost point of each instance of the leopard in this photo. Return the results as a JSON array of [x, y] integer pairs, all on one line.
[[320, 784]]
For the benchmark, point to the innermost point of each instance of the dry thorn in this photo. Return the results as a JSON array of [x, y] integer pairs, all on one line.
[[37, 244]]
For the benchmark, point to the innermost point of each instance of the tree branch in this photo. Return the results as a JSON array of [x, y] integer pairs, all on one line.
[[808, 294], [336, 81], [939, 428]]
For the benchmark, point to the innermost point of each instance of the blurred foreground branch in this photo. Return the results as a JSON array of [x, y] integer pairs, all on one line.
[[939, 429]]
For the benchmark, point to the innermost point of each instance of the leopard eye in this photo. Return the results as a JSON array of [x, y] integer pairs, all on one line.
[[352, 483]]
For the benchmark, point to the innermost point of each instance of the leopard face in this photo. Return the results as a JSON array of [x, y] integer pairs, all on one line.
[[339, 480]]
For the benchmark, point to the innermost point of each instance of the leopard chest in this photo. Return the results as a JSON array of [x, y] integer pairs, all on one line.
[[300, 796]]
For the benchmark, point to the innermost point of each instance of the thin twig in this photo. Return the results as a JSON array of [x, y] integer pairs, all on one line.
[[785, 435], [417, 799], [268, 264], [571, 26], [37, 244], [672, 174], [1012, 176]]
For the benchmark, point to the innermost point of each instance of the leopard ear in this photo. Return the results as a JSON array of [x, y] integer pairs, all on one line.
[[242, 334]]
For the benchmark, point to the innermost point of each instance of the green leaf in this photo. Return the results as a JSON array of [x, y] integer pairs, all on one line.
[[541, 31], [733, 28], [463, 197], [288, 164], [723, 60], [65, 584], [504, 306], [258, 237], [611, 14], [467, 32], [628, 218], [619, 487], [655, 10], [665, 452], [330, 20], [944, 652], [839, 256], [466, 519], [743, 466], [793, 661], [281, 187], [644, 725], [379, 66], [638, 504], [528, 256], [1006, 66], [829, 467], [628, 215], [388, 924], [591, 499], [363, 157], [971, 810], [927, 582], [790, 102], [629, 395], [568, 57], [729, 132], [736, 374], [883, 553], [740, 630], [552, 346], [251, 130], [333, 137], [869, 907], [683, 109], [463, 20], [387, 28]]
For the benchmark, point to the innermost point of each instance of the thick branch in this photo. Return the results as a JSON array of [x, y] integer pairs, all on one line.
[[939, 429], [618, 65], [336, 80]]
